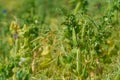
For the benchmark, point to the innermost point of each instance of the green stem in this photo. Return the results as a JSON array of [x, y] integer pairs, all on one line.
[[82, 34], [77, 61], [16, 46]]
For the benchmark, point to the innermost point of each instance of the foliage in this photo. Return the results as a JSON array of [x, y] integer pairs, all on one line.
[[68, 40]]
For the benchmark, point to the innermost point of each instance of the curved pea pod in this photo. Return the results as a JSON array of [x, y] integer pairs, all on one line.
[[45, 63], [74, 37]]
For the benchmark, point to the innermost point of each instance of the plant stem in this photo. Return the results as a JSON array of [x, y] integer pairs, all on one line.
[[77, 60], [16, 46], [82, 34]]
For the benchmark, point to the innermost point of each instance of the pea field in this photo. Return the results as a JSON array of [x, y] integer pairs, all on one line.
[[59, 39]]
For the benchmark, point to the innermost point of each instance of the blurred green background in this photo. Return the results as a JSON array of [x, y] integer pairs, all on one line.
[[43, 40]]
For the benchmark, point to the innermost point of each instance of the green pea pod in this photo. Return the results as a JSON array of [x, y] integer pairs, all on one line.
[[74, 37]]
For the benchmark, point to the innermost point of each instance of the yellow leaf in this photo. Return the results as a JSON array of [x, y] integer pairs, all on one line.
[[46, 50], [10, 41]]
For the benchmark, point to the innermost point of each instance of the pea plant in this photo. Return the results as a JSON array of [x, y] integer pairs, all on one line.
[[63, 41], [86, 39]]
